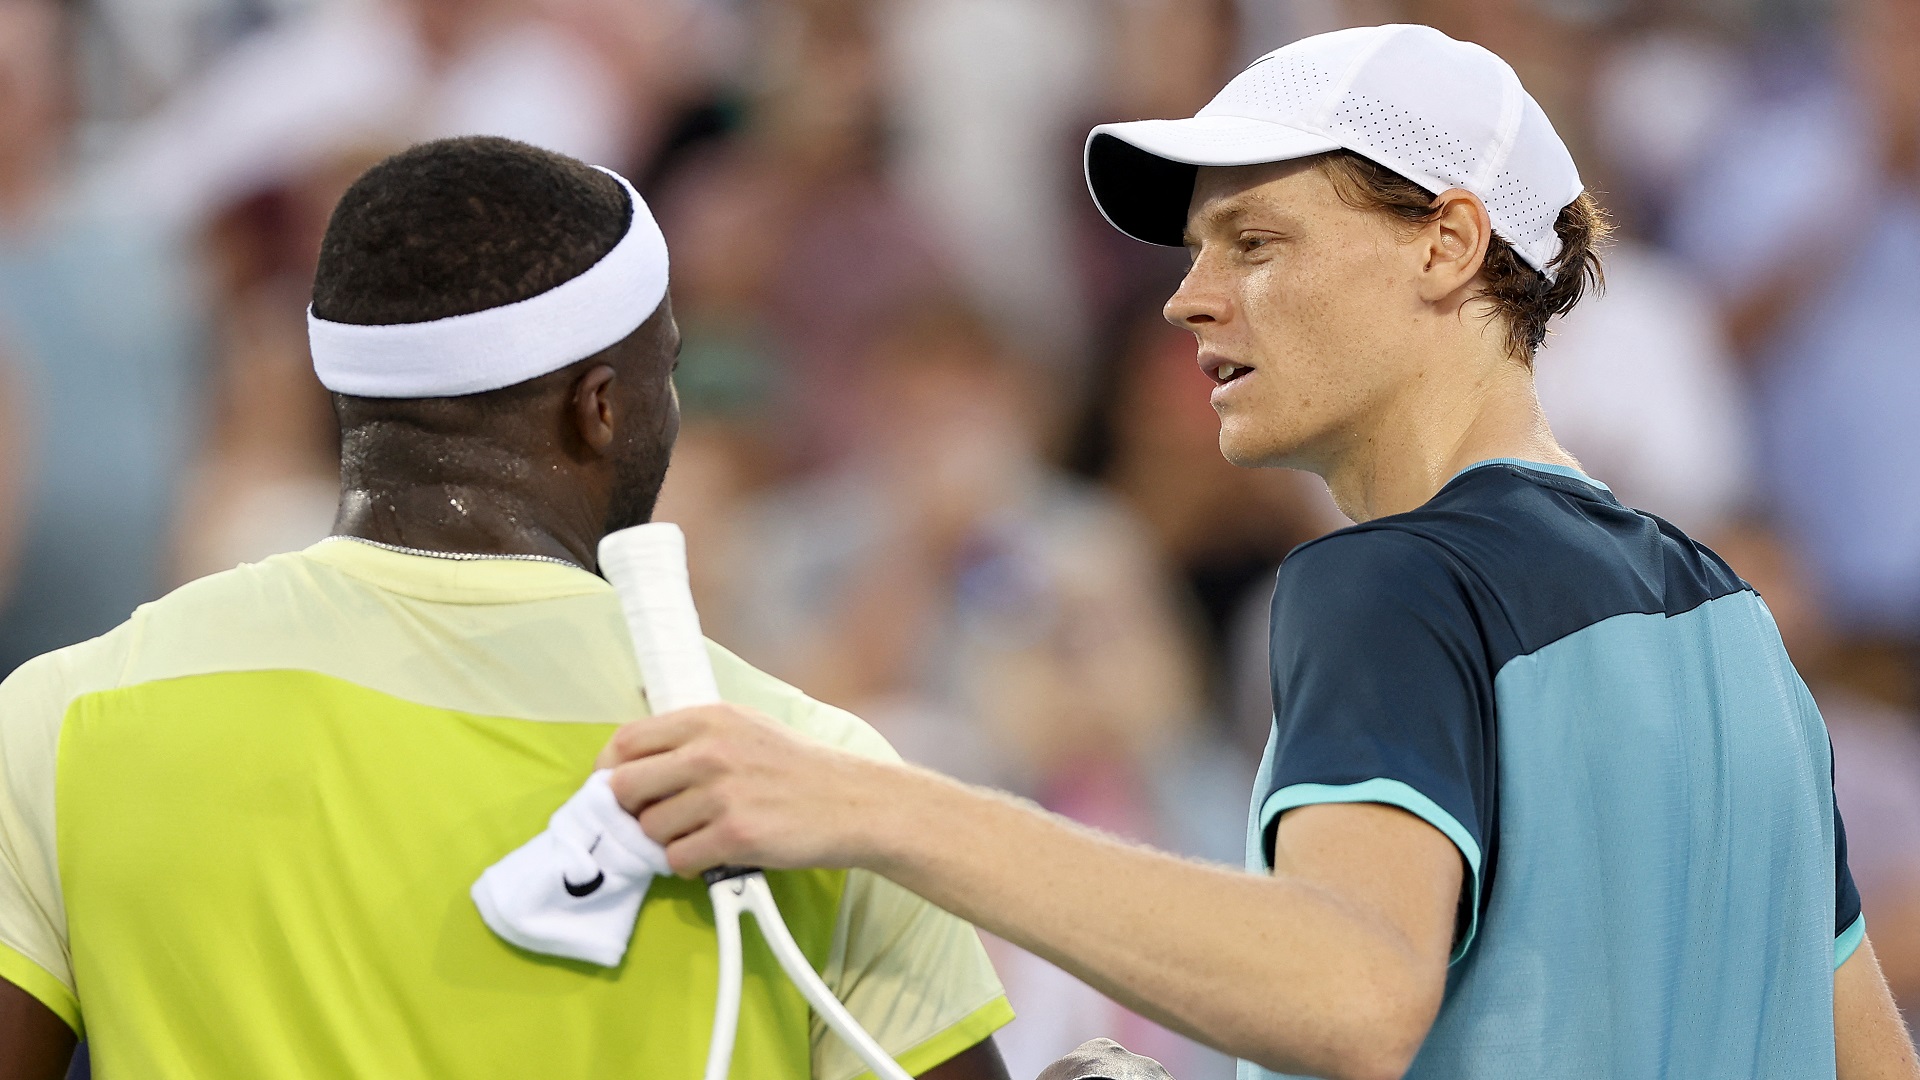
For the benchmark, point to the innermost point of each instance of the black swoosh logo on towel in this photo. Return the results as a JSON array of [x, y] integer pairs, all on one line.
[[586, 888]]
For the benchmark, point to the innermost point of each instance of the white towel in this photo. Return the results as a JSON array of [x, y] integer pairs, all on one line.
[[575, 889]]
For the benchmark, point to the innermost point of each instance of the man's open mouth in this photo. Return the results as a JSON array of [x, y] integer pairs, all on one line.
[[1228, 372]]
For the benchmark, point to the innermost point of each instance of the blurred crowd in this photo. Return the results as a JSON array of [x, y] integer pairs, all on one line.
[[943, 463]]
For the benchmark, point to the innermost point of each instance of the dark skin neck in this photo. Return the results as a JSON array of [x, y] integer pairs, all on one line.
[[532, 470], [501, 510]]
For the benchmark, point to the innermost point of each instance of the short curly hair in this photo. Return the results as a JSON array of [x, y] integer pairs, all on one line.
[[461, 225], [1522, 296]]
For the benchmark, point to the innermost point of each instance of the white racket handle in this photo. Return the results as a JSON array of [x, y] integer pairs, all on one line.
[[647, 565]]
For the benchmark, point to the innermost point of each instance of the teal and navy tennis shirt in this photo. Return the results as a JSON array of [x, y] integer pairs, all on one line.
[[1600, 715]]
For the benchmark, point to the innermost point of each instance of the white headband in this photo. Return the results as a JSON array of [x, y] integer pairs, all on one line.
[[486, 350]]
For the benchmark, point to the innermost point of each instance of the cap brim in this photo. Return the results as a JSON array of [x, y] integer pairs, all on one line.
[[1141, 173]]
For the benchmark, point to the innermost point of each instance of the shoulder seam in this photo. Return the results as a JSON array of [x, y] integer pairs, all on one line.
[[136, 629], [1366, 527], [1744, 588]]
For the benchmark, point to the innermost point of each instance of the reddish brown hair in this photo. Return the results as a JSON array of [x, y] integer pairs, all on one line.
[[1522, 296]]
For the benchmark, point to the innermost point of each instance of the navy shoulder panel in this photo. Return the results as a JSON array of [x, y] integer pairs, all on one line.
[[1544, 555]]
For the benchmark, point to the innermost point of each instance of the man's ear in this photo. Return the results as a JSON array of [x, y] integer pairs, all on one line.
[[592, 410], [1453, 243]]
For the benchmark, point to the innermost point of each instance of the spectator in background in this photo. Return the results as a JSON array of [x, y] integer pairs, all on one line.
[[1807, 226], [823, 245], [100, 321], [1154, 440], [595, 79], [1641, 386], [731, 387], [986, 96], [13, 471], [1664, 89], [267, 475], [990, 615]]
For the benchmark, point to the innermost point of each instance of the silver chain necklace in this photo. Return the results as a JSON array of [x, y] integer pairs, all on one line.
[[456, 556]]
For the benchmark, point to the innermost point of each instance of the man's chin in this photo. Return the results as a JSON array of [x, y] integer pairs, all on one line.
[[1251, 451]]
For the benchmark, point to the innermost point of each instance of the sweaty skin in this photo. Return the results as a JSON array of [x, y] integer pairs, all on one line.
[[1362, 353]]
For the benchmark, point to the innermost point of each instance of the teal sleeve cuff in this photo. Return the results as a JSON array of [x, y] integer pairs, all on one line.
[[1389, 793], [1848, 941]]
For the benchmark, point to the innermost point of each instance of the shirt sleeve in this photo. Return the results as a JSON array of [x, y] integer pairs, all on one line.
[[917, 978], [1382, 693], [33, 933], [1849, 922]]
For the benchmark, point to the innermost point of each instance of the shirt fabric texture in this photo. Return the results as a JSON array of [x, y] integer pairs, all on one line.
[[237, 834], [1599, 714]]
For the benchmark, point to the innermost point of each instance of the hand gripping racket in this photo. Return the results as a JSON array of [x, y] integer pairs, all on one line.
[[647, 565]]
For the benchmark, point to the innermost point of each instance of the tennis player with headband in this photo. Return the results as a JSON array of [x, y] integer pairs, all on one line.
[[239, 833], [1544, 796]]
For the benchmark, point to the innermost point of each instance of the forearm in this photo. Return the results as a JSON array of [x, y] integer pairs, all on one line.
[[1870, 1040], [1335, 966], [1273, 969]]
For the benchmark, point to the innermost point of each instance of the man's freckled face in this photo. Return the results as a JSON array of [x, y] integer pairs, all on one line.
[[1296, 300]]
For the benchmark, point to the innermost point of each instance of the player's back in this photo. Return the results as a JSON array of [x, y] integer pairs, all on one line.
[[1645, 799], [241, 830], [1662, 899]]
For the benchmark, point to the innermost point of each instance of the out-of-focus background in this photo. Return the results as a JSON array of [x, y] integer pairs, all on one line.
[[943, 463]]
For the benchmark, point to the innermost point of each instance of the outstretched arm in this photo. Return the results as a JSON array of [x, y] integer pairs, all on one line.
[[1333, 966], [1870, 1040]]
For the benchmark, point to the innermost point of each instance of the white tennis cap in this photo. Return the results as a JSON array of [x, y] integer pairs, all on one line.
[[1442, 113]]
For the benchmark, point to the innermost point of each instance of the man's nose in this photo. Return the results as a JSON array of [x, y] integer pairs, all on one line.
[[1198, 301]]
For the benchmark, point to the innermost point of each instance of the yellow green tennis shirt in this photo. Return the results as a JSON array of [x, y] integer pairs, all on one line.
[[237, 834]]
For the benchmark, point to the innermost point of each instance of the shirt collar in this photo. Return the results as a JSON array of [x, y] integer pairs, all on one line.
[[1567, 471], [455, 581]]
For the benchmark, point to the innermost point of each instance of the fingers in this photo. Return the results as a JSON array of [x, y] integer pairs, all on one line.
[[668, 731], [653, 735], [659, 756], [679, 799], [722, 784], [650, 779], [677, 816], [713, 844]]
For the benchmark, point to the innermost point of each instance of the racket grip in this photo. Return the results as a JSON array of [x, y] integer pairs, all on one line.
[[647, 566]]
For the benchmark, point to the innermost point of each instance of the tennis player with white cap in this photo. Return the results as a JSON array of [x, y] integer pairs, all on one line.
[[1544, 795]]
